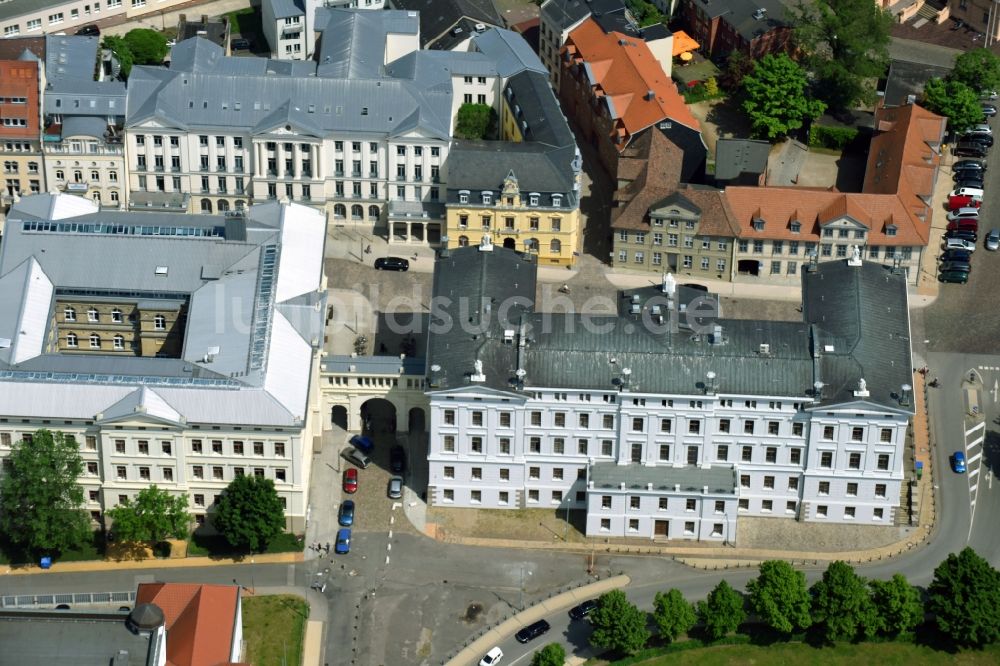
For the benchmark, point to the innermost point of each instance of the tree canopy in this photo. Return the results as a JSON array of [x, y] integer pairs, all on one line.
[[965, 598], [249, 513], [775, 97], [618, 624], [979, 69], [779, 597], [475, 121], [846, 43], [123, 54], [897, 605], [41, 502], [148, 47], [722, 612], [552, 654], [673, 615], [155, 515], [954, 100], [841, 606]]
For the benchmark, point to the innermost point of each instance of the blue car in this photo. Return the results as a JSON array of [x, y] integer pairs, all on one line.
[[362, 443], [343, 541], [346, 514], [958, 462]]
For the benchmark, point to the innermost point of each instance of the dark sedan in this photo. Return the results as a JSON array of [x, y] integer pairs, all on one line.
[[532, 631], [345, 516], [392, 264], [583, 610], [397, 459]]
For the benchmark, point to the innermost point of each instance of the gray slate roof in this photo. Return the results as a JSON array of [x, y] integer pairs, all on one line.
[[508, 51], [565, 13], [737, 156], [70, 57], [482, 166], [85, 97], [861, 311], [740, 15], [286, 8], [720, 479], [438, 16]]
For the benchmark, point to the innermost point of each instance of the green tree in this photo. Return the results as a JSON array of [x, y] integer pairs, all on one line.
[[552, 654], [673, 615], [979, 69], [738, 66], [956, 101], [897, 605], [123, 54], [846, 43], [775, 97], [722, 612], [779, 597], [841, 605], [475, 121], [154, 516], [148, 47], [711, 87], [41, 503], [249, 513], [964, 597], [618, 624]]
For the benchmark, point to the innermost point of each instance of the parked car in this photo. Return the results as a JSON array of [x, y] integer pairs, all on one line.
[[966, 172], [971, 182], [583, 610], [989, 110], [352, 455], [981, 128], [351, 480], [980, 138], [395, 490], [964, 234], [239, 45], [345, 516], [969, 164], [966, 201], [988, 94], [993, 240], [964, 224], [958, 462], [970, 149], [392, 264], [492, 657], [343, 545], [532, 631], [89, 31], [964, 213], [362, 443], [975, 192], [956, 255], [956, 277], [397, 459], [959, 244], [950, 266]]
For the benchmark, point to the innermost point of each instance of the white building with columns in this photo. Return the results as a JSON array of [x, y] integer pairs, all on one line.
[[665, 426]]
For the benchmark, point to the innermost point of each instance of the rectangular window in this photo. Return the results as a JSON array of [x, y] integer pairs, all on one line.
[[722, 452], [723, 425], [607, 447], [747, 454], [828, 432], [771, 454], [795, 456], [793, 483], [638, 424], [824, 487], [664, 452], [477, 418], [769, 482], [748, 427], [505, 445], [852, 490], [477, 473], [744, 480], [476, 444], [854, 461], [535, 445], [826, 459], [883, 461], [608, 421], [880, 490], [857, 434], [449, 472], [885, 435], [559, 445], [849, 512], [448, 443], [694, 427], [690, 505]]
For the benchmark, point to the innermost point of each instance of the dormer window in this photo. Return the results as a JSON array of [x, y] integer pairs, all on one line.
[[890, 230], [795, 227], [463, 196], [556, 200], [533, 199], [758, 224], [487, 198]]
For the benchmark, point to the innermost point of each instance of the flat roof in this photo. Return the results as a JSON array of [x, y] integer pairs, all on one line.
[[67, 637], [610, 476]]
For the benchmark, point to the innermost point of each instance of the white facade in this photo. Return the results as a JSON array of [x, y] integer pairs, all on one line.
[[52, 17], [290, 31], [88, 166], [496, 450]]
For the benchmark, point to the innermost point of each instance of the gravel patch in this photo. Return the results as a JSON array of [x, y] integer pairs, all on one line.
[[783, 534]]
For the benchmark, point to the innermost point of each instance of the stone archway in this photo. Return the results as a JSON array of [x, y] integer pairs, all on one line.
[[416, 420], [510, 243], [378, 415], [338, 416]]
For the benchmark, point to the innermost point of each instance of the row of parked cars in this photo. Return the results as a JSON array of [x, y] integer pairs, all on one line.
[[976, 142], [358, 453], [536, 629]]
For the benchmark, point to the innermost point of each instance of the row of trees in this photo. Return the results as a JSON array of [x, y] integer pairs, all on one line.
[[42, 504], [957, 95], [963, 599]]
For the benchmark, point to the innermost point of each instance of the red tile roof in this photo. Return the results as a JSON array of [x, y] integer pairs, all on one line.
[[898, 186], [200, 620], [626, 71]]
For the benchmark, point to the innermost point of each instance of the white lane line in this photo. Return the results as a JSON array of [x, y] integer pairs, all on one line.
[[979, 426], [387, 559], [976, 442], [974, 458]]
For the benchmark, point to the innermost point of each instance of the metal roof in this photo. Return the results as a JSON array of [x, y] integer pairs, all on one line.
[[508, 51], [719, 479], [375, 365], [89, 126], [286, 8], [85, 97], [69, 57]]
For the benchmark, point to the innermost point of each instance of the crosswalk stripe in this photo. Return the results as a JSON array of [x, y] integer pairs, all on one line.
[[979, 426], [976, 457]]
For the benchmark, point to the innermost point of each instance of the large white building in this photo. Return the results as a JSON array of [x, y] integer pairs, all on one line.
[[290, 25], [664, 427], [178, 350]]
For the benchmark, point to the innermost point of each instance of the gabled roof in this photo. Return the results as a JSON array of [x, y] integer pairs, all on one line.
[[200, 620], [509, 51], [437, 17], [631, 76], [70, 57], [660, 163], [142, 401]]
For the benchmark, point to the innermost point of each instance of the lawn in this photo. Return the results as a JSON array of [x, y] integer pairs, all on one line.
[[843, 654], [274, 629]]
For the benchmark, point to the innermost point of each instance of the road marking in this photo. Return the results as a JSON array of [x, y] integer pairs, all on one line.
[[387, 559], [979, 426], [390, 534], [975, 442], [974, 458], [388, 546]]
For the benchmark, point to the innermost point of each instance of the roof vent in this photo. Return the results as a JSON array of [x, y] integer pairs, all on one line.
[[650, 94], [161, 270], [764, 349], [508, 336], [480, 27], [716, 337]]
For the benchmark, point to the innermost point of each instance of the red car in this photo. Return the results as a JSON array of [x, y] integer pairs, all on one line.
[[350, 480], [965, 223], [954, 203]]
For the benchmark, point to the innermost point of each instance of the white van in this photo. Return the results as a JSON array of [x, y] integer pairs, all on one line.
[[964, 214], [975, 192], [959, 244]]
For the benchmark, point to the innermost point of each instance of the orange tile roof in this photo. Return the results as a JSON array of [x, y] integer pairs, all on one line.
[[898, 185], [200, 620], [626, 71]]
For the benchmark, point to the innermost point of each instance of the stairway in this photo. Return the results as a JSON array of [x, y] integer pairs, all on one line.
[[929, 12]]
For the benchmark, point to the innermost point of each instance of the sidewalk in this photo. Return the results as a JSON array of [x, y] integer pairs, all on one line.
[[154, 563], [472, 652]]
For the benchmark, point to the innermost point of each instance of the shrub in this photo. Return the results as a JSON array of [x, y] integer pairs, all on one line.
[[834, 138]]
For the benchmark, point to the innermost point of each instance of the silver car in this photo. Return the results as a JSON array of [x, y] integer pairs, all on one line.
[[993, 240], [395, 487]]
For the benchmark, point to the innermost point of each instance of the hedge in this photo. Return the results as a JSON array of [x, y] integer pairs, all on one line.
[[834, 138]]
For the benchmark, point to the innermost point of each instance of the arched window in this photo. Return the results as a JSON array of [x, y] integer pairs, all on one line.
[[114, 195], [339, 211], [357, 212], [119, 342], [555, 247], [72, 340], [206, 206], [531, 245], [116, 316], [69, 314], [95, 341], [373, 212], [96, 196], [77, 176], [92, 314], [223, 205], [240, 204], [60, 175], [463, 241], [159, 322]]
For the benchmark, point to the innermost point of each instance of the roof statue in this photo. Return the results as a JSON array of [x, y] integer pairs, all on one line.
[[855, 259]]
